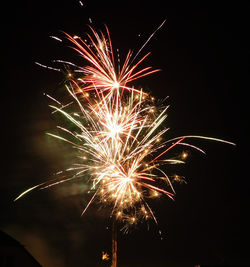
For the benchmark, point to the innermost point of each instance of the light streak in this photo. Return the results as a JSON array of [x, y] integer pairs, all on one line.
[[56, 38], [47, 67]]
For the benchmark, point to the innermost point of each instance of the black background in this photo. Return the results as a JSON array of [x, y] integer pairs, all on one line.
[[203, 52]]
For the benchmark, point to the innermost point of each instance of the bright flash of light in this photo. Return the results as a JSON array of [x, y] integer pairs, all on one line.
[[118, 133]]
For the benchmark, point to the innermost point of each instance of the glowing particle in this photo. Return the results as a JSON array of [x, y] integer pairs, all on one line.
[[184, 155], [105, 256]]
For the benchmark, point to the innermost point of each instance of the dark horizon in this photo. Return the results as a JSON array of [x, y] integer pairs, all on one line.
[[203, 53]]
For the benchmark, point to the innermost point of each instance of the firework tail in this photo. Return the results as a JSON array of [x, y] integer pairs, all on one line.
[[114, 244]]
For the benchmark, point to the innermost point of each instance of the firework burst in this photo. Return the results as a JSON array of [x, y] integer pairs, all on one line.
[[118, 132], [102, 75]]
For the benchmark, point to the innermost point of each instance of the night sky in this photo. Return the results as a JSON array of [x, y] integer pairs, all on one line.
[[203, 51]]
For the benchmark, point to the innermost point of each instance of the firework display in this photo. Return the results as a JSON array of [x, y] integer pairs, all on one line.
[[118, 132]]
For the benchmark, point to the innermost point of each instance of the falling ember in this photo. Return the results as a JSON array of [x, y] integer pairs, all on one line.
[[119, 132], [105, 256]]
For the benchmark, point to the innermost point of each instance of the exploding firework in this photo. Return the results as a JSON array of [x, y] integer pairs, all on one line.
[[119, 132]]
